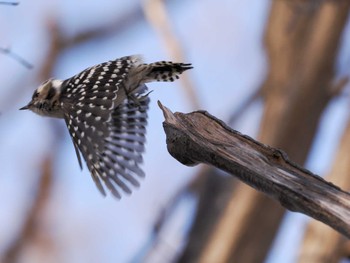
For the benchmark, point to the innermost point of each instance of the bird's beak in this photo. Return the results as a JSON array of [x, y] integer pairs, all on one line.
[[25, 107]]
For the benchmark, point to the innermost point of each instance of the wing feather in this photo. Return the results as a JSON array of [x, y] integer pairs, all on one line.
[[110, 137]]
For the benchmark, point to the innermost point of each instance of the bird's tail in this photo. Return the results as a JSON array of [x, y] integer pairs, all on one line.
[[165, 71]]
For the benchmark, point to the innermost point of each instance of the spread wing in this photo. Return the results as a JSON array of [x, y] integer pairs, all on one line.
[[108, 131]]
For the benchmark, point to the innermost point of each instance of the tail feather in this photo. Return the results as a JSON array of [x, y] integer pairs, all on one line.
[[166, 71]]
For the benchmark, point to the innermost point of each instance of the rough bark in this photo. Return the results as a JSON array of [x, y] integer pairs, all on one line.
[[321, 243], [199, 137]]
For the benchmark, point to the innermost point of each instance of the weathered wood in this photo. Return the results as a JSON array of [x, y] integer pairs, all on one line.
[[322, 244], [199, 137]]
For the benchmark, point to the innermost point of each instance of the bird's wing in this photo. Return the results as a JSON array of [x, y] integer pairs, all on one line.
[[113, 148], [110, 137]]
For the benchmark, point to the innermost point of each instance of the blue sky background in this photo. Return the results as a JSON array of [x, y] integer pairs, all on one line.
[[223, 41]]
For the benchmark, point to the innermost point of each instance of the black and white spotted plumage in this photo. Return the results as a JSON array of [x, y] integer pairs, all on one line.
[[105, 110]]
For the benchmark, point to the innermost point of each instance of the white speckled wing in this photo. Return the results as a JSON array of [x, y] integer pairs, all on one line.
[[110, 137]]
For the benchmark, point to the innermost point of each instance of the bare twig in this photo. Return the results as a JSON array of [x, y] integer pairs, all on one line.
[[9, 3], [253, 97], [15, 56], [199, 137]]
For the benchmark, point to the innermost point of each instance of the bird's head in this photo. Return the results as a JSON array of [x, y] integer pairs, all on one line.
[[45, 97]]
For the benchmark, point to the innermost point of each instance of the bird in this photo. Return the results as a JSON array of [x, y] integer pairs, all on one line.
[[105, 110]]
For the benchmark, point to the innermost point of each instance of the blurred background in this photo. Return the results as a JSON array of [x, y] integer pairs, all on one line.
[[276, 70]]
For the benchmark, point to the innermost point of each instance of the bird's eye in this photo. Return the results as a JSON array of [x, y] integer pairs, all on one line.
[[35, 95]]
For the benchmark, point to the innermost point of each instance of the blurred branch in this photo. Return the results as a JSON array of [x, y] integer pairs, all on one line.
[[114, 27], [339, 86], [208, 183], [244, 106], [157, 16], [198, 137], [60, 42], [9, 3], [15, 56], [213, 190], [31, 224]]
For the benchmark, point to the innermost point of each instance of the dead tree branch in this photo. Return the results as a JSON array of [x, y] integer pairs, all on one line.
[[321, 243], [198, 137]]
